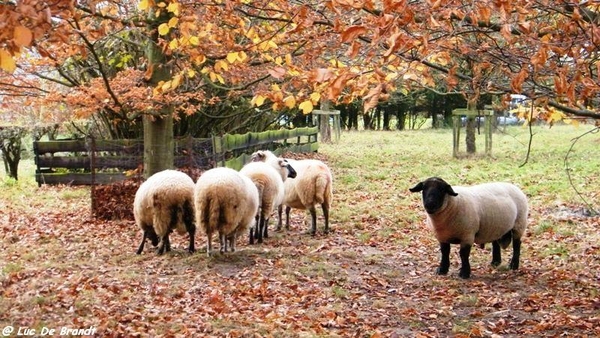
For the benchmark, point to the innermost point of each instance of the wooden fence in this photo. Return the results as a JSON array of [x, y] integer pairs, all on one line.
[[90, 161]]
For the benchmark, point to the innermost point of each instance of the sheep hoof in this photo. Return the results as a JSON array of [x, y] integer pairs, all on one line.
[[464, 274], [496, 263], [440, 271], [514, 265]]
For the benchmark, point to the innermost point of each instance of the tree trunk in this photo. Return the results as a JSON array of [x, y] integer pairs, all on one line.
[[470, 127], [470, 135], [159, 144], [159, 149], [353, 124], [324, 126], [11, 154], [387, 112]]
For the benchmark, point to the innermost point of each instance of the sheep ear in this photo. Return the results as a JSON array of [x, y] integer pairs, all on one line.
[[417, 188], [450, 191], [258, 156]]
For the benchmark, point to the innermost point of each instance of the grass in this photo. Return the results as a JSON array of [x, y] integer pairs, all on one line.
[[373, 273]]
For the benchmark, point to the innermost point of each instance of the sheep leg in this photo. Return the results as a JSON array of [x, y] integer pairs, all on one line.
[[514, 262], [254, 229], [313, 216], [445, 262], [279, 214], [188, 218], [326, 216], [232, 242], [223, 242], [465, 268], [260, 229], [164, 244], [496, 254], [209, 243], [141, 247], [266, 233], [192, 233], [167, 244], [287, 217]]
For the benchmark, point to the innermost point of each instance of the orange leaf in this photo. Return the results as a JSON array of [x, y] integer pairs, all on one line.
[[23, 36], [277, 72], [6, 61], [352, 33], [322, 75], [372, 98]]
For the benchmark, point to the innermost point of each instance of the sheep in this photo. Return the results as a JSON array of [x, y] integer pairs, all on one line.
[[269, 183], [163, 203], [491, 212], [281, 165], [226, 202], [312, 185]]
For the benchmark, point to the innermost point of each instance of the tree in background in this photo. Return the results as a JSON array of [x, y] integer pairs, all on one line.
[[167, 59]]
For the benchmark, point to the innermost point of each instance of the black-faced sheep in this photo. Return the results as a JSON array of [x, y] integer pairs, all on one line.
[[269, 183], [226, 202], [313, 185], [163, 203], [490, 212]]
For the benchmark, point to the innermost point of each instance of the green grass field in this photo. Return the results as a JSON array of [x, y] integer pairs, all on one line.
[[372, 276]]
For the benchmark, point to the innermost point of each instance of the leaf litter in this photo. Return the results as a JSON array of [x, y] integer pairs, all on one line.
[[61, 267]]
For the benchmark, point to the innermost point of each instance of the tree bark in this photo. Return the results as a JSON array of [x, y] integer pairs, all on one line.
[[159, 144], [324, 126], [159, 149], [470, 135], [470, 128]]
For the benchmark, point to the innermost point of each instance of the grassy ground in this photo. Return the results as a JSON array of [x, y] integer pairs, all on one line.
[[372, 276]]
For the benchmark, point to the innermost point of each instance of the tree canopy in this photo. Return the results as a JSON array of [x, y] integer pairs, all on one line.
[[95, 56]]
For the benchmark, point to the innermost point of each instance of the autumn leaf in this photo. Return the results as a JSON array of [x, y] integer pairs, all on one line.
[[290, 102], [232, 57], [173, 7], [163, 29], [352, 32], [221, 65], [258, 100], [322, 75], [143, 5], [277, 72], [315, 97], [23, 36], [372, 98], [6, 61], [306, 107], [172, 23]]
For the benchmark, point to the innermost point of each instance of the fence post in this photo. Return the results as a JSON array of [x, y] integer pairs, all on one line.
[[93, 172]]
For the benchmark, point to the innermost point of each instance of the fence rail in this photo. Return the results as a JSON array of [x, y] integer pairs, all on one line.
[[91, 161]]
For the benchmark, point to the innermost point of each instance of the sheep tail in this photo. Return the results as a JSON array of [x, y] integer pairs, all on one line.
[[212, 213], [322, 189], [506, 239]]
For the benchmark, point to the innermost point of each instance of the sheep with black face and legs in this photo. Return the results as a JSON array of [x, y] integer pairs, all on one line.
[[226, 202], [269, 183], [491, 212], [312, 186], [163, 203]]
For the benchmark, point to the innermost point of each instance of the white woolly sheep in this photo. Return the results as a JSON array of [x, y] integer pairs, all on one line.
[[491, 212], [281, 165], [312, 185], [226, 202], [269, 183], [163, 203]]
